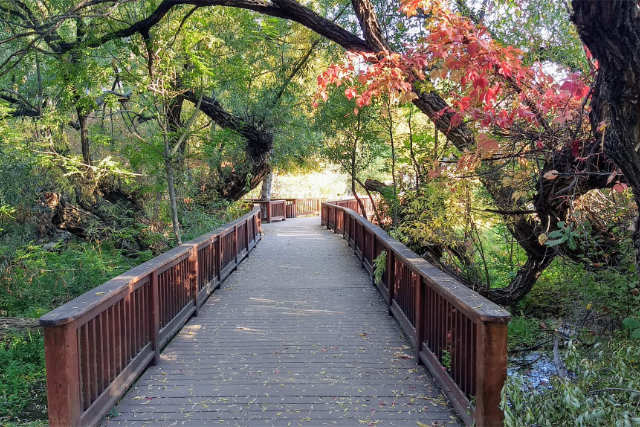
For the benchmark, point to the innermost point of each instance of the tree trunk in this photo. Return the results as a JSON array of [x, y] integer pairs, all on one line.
[[611, 31], [363, 211], [394, 205], [168, 162], [265, 192], [84, 137]]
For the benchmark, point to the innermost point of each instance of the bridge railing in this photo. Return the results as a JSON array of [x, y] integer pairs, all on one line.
[[98, 344], [272, 210], [459, 335], [302, 207]]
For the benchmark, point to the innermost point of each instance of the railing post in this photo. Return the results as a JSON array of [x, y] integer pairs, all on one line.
[[419, 312], [63, 382], [491, 359], [246, 235], [373, 247], [193, 276], [269, 211], [218, 261], [235, 243], [391, 276], [155, 317]]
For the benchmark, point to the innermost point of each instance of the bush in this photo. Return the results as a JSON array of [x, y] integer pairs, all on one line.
[[37, 280], [22, 378]]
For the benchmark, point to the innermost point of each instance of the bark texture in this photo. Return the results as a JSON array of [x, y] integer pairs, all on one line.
[[611, 31]]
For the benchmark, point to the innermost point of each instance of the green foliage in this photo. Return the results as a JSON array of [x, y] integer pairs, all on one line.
[[632, 324], [524, 332], [564, 234], [37, 280], [446, 359], [605, 390], [380, 263], [22, 377]]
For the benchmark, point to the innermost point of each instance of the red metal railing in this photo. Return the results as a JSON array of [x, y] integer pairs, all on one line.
[[458, 334], [97, 344]]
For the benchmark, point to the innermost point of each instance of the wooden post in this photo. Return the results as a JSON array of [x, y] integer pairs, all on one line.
[[373, 247], [155, 317], [246, 235], [419, 312], [269, 211], [235, 242], [391, 276], [63, 382], [218, 261], [193, 275], [491, 372]]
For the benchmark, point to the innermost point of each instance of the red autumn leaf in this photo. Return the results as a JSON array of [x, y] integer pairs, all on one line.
[[574, 86], [350, 93], [620, 187]]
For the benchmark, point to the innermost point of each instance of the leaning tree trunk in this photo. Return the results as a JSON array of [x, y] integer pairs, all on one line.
[[259, 143], [265, 191]]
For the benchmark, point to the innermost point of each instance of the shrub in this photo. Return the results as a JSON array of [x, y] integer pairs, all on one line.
[[22, 378]]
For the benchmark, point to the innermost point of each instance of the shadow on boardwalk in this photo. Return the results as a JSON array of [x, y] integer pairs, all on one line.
[[296, 336]]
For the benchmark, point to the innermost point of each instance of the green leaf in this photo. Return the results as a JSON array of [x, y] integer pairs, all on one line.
[[631, 323]]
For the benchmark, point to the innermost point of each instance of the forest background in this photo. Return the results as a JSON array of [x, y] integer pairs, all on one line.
[[497, 137]]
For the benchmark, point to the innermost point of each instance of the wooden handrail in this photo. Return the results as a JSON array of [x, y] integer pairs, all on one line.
[[458, 334], [97, 344]]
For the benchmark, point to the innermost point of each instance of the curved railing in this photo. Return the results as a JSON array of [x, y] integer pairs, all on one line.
[[97, 344], [459, 335]]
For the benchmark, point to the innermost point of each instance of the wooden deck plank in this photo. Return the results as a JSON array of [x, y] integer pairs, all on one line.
[[296, 336]]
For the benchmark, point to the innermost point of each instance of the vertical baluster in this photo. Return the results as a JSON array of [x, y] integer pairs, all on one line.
[[93, 364], [155, 316], [84, 366], [106, 374], [124, 331], [418, 312], [113, 369], [117, 337], [132, 325]]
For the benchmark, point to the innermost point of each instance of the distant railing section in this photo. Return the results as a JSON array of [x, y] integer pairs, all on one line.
[[97, 344], [303, 207], [458, 334], [295, 207], [272, 210]]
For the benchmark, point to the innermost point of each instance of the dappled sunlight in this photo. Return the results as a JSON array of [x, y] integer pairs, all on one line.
[[250, 330]]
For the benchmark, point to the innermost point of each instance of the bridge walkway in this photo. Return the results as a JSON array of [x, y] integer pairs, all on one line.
[[296, 336]]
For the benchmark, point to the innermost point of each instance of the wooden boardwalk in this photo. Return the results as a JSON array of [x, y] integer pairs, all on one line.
[[296, 336]]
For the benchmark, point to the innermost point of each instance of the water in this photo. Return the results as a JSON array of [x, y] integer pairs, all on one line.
[[536, 369]]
